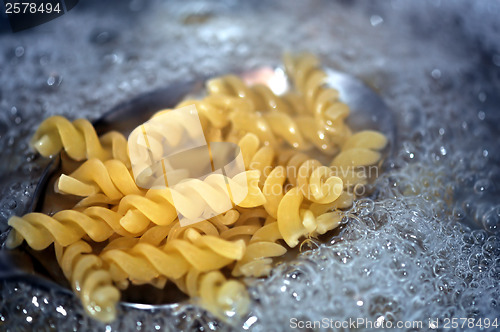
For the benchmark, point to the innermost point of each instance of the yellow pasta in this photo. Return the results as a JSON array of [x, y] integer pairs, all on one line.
[[214, 110], [295, 222], [289, 218], [238, 221], [193, 198], [94, 176], [256, 157], [317, 182], [257, 261], [177, 231], [359, 150], [344, 201], [261, 248], [272, 179], [65, 227], [323, 102], [144, 262], [367, 139], [98, 199], [249, 222], [79, 140], [89, 280], [258, 96], [278, 121], [216, 293]]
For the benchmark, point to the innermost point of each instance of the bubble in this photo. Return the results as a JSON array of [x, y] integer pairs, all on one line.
[[365, 206], [10, 204], [376, 20], [492, 246], [482, 186], [491, 220], [439, 267], [102, 37], [436, 74], [459, 213]]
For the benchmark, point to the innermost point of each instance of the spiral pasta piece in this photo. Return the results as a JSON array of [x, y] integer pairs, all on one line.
[[216, 293], [213, 226], [89, 279], [257, 261], [292, 161], [262, 159], [261, 248], [98, 199], [155, 235], [295, 222], [344, 201], [212, 113], [214, 109], [322, 101], [289, 219], [256, 157], [359, 150], [154, 140], [249, 222], [367, 139], [65, 227], [278, 121], [193, 197], [258, 96], [325, 222], [111, 177], [317, 182], [178, 232], [144, 262], [269, 127], [79, 140]]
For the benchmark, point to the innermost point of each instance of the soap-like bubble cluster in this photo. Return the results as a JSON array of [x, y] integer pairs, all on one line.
[[424, 245]]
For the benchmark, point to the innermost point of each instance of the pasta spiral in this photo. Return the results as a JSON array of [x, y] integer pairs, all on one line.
[[193, 197], [323, 102], [261, 247], [144, 261], [89, 280], [259, 96], [214, 109], [249, 222], [279, 120], [295, 222], [317, 182], [256, 157], [216, 293], [257, 261], [79, 140], [110, 177], [65, 227], [359, 150], [262, 159], [161, 135]]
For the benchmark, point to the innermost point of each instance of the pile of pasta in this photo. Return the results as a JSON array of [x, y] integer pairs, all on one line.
[[291, 196]]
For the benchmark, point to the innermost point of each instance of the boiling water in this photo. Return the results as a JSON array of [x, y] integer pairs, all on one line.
[[425, 245]]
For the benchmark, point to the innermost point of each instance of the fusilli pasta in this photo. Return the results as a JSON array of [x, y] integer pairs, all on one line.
[[79, 140], [133, 216], [279, 120], [322, 101], [89, 279]]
